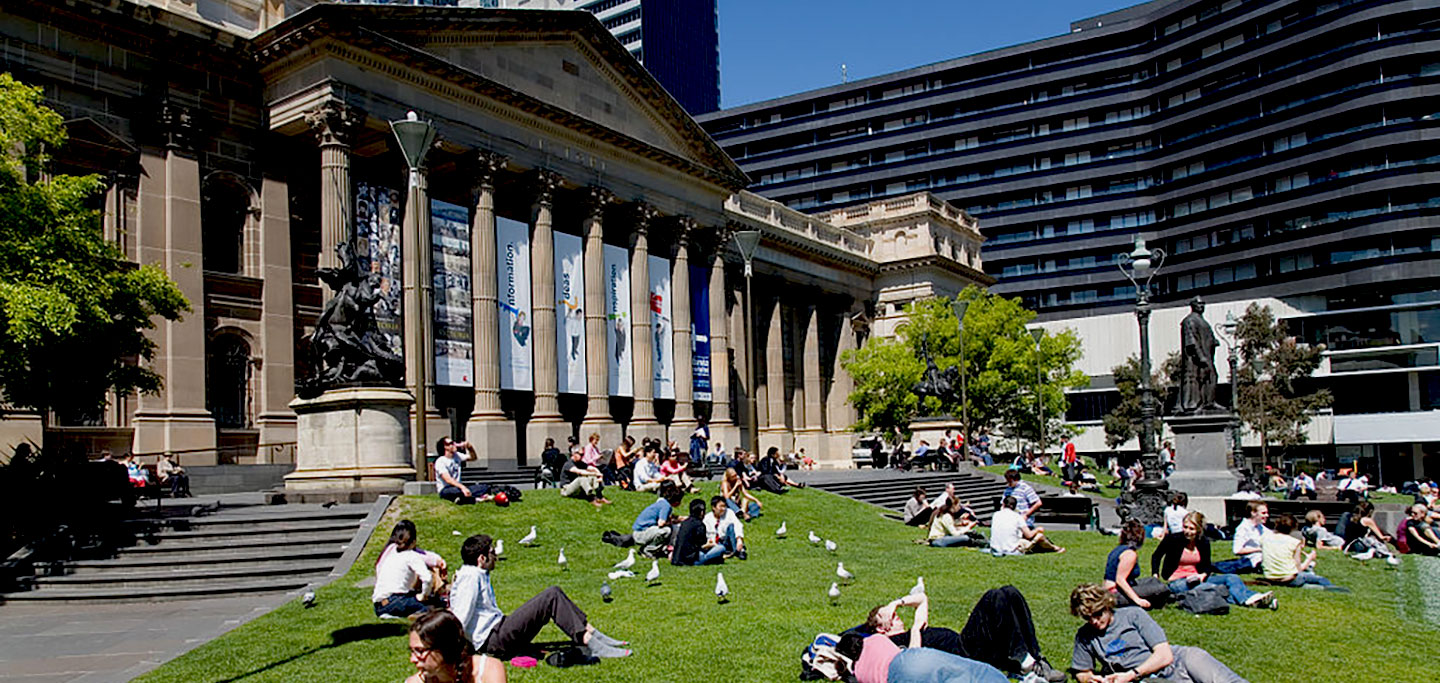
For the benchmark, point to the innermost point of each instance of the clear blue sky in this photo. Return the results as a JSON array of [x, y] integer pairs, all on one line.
[[772, 48]]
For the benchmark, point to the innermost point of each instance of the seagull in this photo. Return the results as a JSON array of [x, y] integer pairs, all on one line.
[[308, 598], [814, 539], [605, 592], [722, 591], [654, 572], [621, 574], [780, 533], [454, 532], [834, 593], [830, 545], [843, 573], [499, 547], [564, 563], [626, 563], [529, 538], [919, 588]]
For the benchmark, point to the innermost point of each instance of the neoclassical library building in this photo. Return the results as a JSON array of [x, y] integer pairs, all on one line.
[[585, 274]]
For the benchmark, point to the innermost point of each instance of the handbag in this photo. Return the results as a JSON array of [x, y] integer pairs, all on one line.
[[1206, 598], [1154, 590]]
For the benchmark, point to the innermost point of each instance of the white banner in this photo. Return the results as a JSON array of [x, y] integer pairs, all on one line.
[[617, 320], [450, 259], [569, 314], [512, 250], [662, 326]]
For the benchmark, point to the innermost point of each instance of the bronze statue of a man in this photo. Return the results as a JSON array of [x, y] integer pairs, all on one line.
[[1197, 362]]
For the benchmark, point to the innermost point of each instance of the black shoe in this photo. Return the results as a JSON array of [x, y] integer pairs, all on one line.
[[1049, 673]]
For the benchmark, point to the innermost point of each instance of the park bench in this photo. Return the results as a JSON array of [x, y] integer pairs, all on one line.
[[1079, 510], [1237, 509]]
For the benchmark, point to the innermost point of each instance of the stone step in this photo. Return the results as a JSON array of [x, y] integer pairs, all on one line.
[[239, 557], [86, 594], [241, 531], [276, 542], [153, 577]]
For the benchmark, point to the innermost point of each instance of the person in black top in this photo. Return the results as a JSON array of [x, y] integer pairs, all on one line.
[[690, 546], [552, 460]]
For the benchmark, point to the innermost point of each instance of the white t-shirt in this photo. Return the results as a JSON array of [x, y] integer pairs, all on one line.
[[714, 528], [1175, 519], [1006, 530], [1248, 535], [449, 464], [398, 572]]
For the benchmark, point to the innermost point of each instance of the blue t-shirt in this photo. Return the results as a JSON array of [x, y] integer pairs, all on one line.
[[653, 514], [1112, 564]]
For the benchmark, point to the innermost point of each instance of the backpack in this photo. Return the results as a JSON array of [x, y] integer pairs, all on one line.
[[1206, 598], [819, 661], [1402, 537]]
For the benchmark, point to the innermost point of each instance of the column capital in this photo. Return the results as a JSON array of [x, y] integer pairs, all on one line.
[[595, 199], [643, 216], [544, 183], [333, 122], [683, 229], [486, 167]]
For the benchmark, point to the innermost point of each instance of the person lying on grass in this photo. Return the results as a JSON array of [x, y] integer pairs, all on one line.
[[494, 633], [999, 632], [1282, 561], [406, 578], [1120, 645], [877, 659], [1183, 560], [442, 653]]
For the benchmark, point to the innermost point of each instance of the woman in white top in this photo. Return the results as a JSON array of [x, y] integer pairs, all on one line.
[[405, 577], [442, 653]]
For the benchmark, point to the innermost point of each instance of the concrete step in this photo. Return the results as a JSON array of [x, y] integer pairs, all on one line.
[[275, 542], [156, 577], [238, 557], [87, 594], [267, 528]]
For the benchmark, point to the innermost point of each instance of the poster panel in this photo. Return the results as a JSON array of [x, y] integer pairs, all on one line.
[[378, 212], [569, 314], [512, 249], [662, 327], [700, 330], [450, 270], [617, 321]]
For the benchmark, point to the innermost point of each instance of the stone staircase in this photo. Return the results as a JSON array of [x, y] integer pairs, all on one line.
[[891, 489], [189, 551]]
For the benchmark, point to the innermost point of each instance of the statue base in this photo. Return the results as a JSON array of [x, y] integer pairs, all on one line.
[[1202, 462], [351, 444]]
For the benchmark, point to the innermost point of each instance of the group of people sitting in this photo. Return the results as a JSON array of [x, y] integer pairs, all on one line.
[[167, 474], [953, 523]]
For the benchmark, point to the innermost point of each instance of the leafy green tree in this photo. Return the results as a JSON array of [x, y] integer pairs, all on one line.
[[1273, 400], [885, 372], [73, 311], [1122, 423]]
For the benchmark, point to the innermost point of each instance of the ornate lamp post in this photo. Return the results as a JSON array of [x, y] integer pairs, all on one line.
[[415, 138], [1148, 502], [748, 241], [1232, 347], [1037, 334], [960, 306]]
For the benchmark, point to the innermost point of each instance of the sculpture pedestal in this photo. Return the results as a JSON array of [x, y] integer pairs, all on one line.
[[351, 445], [1202, 461]]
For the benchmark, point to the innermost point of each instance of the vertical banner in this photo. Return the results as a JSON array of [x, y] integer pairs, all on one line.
[[512, 249], [700, 330], [662, 326], [617, 321], [377, 250], [569, 314], [450, 268]]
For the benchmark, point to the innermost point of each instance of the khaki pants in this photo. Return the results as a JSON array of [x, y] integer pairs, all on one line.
[[581, 487]]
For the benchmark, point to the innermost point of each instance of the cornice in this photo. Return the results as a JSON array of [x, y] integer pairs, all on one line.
[[942, 263]]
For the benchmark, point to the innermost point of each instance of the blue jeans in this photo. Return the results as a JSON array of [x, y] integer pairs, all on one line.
[[715, 555], [950, 541], [400, 605], [924, 665], [1239, 565], [735, 507], [1239, 592], [1304, 579], [729, 542]]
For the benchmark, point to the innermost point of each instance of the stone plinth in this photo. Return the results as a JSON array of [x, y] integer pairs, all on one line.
[[352, 444], [1202, 461]]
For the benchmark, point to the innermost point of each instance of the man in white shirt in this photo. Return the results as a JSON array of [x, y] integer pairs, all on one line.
[[723, 527], [396, 576], [447, 470], [647, 473], [1010, 535], [1302, 485], [1246, 545]]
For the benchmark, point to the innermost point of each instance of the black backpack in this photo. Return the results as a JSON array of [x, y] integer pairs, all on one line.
[[1206, 598]]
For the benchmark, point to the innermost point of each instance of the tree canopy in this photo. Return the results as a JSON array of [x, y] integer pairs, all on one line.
[[1274, 399], [73, 311]]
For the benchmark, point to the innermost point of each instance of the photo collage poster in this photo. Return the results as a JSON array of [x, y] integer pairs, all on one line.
[[617, 321], [450, 271], [662, 326], [700, 330], [378, 212], [569, 314], [512, 250]]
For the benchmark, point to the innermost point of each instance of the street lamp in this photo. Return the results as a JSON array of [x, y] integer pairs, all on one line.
[[960, 306], [1037, 334], [1232, 347], [415, 138], [1148, 503], [747, 241]]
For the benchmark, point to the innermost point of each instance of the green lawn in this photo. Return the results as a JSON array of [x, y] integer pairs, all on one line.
[[778, 603], [1104, 492]]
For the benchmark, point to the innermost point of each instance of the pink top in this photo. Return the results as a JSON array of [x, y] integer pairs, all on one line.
[[670, 467], [1189, 564], [875, 657], [592, 455]]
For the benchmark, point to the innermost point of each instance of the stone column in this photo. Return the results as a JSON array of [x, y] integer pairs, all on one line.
[[841, 415], [642, 419], [418, 316], [597, 375], [487, 424], [744, 354], [777, 429], [545, 421], [722, 426], [811, 430], [277, 323], [176, 418], [335, 124], [684, 421]]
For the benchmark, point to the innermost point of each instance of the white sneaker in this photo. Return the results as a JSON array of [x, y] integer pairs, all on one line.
[[1367, 555], [1392, 561]]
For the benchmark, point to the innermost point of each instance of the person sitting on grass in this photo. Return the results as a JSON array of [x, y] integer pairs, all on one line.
[[1175, 512], [647, 475], [1419, 534], [691, 546], [447, 471], [771, 465], [405, 578], [495, 633], [1282, 562], [582, 481], [1315, 533], [1183, 560], [1025, 495], [1010, 535], [441, 652], [737, 495], [1364, 539], [673, 469], [1123, 644], [1000, 632], [1122, 566], [876, 658], [654, 527], [953, 525], [724, 527], [1249, 533], [918, 511]]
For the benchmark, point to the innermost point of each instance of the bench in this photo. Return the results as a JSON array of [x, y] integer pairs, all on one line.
[[1237, 509], [1079, 510]]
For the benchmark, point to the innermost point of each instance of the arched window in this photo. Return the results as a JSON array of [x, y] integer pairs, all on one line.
[[227, 381], [225, 210]]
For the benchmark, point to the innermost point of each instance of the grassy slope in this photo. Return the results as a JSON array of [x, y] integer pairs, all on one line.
[[779, 603], [1104, 492]]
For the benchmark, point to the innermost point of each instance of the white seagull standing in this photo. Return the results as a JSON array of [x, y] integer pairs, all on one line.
[[830, 545], [722, 591], [843, 573], [654, 572], [529, 539], [814, 539], [564, 563], [499, 547], [780, 533], [834, 593], [626, 563]]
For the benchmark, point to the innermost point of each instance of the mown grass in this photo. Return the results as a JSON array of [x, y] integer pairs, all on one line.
[[1104, 492], [778, 601]]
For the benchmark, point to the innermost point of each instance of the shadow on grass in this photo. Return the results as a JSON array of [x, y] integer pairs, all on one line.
[[338, 637]]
